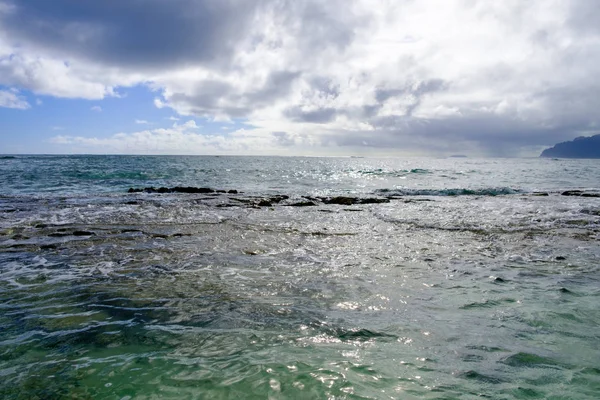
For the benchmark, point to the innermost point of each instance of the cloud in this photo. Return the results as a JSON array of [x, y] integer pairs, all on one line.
[[179, 139], [12, 99], [421, 77], [141, 122], [96, 108]]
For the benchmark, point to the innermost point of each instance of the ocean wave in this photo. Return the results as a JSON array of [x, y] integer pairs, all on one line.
[[112, 175], [491, 191], [401, 172]]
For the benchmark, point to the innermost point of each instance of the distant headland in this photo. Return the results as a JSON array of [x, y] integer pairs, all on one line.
[[581, 147]]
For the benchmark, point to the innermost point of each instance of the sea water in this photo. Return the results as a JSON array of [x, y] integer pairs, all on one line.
[[475, 278]]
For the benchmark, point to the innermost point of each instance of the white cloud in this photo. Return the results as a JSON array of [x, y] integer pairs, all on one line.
[[12, 99], [46, 75], [190, 124], [141, 122], [180, 139], [422, 76], [96, 108]]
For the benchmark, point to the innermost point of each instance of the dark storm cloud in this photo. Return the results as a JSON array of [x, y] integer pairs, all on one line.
[[482, 134], [162, 33], [210, 97], [136, 33]]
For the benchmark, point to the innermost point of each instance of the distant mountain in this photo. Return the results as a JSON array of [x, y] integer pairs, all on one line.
[[581, 147]]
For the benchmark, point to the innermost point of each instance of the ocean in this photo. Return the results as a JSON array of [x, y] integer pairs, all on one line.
[[299, 278]]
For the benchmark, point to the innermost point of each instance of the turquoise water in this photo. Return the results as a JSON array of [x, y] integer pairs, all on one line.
[[466, 284]]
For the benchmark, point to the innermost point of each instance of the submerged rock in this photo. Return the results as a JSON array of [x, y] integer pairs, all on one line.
[[349, 201], [303, 204], [279, 198], [572, 193], [264, 201], [373, 200], [176, 189], [341, 200], [579, 193], [83, 233]]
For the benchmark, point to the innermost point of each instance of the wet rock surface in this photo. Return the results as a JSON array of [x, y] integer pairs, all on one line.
[[266, 201], [236, 198], [579, 193]]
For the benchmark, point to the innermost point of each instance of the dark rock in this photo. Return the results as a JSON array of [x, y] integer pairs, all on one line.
[[83, 233], [309, 198], [278, 198], [177, 189], [591, 212], [373, 200], [131, 231], [264, 203], [246, 201], [540, 194], [303, 204], [341, 200], [349, 201], [476, 376], [560, 258], [232, 191], [58, 234], [189, 189], [579, 193], [221, 191]]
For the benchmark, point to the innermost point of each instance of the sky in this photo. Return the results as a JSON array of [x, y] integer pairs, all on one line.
[[298, 77]]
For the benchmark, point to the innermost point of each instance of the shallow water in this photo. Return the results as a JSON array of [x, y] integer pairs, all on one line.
[[455, 289]]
